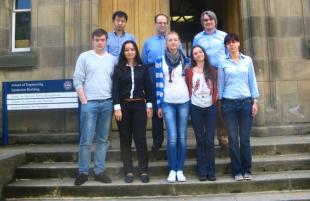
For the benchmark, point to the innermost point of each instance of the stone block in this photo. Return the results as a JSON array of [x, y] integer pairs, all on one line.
[[257, 7], [285, 8], [294, 112], [286, 26], [261, 68], [259, 47], [51, 15], [51, 36], [287, 47], [303, 87], [286, 91], [52, 56], [290, 69], [4, 39], [257, 26]]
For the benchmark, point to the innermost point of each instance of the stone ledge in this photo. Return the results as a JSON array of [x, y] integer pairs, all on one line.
[[20, 59]]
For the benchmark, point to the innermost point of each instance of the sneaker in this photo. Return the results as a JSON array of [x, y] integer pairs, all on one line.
[[202, 178], [172, 176], [80, 179], [180, 176], [211, 178], [247, 176], [102, 177], [239, 177]]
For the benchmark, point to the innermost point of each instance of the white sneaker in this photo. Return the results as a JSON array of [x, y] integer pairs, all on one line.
[[247, 176], [180, 176], [239, 177], [172, 176]]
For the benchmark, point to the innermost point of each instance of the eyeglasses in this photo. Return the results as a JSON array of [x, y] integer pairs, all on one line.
[[162, 23], [206, 20]]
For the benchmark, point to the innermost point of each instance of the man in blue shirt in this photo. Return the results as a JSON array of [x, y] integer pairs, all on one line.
[[118, 36], [152, 49], [212, 40]]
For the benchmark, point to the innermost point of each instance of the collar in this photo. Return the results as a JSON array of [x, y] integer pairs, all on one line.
[[242, 56], [206, 33], [117, 35], [161, 37]]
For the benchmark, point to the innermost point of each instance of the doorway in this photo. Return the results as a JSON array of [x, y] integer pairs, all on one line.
[[185, 18]]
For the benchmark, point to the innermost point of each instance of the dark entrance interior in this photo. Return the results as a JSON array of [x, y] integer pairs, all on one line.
[[185, 17]]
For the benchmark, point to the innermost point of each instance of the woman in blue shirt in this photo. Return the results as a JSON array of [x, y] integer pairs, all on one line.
[[238, 95]]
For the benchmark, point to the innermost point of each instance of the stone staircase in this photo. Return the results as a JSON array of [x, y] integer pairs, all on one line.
[[280, 163]]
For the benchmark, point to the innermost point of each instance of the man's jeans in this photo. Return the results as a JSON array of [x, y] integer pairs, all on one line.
[[95, 123], [204, 124], [176, 119], [237, 116]]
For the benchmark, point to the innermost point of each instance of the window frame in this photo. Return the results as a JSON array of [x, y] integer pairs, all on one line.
[[14, 11]]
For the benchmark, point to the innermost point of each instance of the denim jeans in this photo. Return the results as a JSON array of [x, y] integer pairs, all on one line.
[[157, 123], [176, 119], [237, 116], [204, 121], [95, 121]]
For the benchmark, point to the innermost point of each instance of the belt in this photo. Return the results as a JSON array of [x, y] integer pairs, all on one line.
[[100, 100], [133, 100]]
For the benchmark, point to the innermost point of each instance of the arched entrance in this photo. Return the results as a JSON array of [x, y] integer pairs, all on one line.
[[185, 17]]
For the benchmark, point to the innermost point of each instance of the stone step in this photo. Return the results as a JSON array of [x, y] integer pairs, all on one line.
[[275, 145], [159, 168], [295, 195], [271, 181]]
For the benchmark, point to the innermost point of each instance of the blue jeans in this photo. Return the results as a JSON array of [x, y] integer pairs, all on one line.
[[95, 123], [204, 121], [176, 119], [238, 119]]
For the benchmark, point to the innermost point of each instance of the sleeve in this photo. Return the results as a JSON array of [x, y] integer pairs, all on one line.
[[144, 53], [147, 88], [252, 81], [79, 75], [159, 82], [116, 89], [220, 81]]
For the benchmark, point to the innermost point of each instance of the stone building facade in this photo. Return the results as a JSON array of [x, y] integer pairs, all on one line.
[[275, 33]]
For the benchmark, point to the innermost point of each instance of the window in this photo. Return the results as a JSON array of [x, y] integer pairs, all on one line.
[[21, 25]]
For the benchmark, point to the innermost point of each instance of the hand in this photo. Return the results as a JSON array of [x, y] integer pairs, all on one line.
[[160, 113], [118, 115], [254, 108], [84, 101], [149, 113]]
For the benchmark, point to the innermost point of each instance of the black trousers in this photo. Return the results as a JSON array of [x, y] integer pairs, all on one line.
[[133, 124]]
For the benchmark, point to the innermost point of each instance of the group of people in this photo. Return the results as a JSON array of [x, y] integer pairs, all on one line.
[[165, 86]]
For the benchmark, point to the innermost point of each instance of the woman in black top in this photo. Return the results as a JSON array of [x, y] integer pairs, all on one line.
[[132, 107]]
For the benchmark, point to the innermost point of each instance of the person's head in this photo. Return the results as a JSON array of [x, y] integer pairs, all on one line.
[[232, 42], [172, 41], [208, 20], [129, 52], [198, 54], [119, 20], [99, 38], [161, 23]]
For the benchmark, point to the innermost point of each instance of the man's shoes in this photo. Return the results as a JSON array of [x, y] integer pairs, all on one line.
[[156, 153], [129, 178], [211, 178], [80, 179], [102, 177], [202, 178], [144, 178], [247, 176]]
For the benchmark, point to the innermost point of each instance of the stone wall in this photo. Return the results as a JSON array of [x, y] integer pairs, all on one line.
[[275, 32], [60, 31]]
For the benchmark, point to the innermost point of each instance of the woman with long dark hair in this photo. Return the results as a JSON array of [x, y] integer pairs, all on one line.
[[201, 80], [132, 107]]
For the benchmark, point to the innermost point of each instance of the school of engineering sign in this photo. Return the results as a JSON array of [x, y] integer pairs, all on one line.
[[36, 95]]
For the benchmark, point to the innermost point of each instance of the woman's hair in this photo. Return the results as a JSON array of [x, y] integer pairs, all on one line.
[[122, 61], [231, 37], [206, 64]]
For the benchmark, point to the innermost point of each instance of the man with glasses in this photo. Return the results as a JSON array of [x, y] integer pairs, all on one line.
[[152, 49], [212, 40], [118, 36]]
